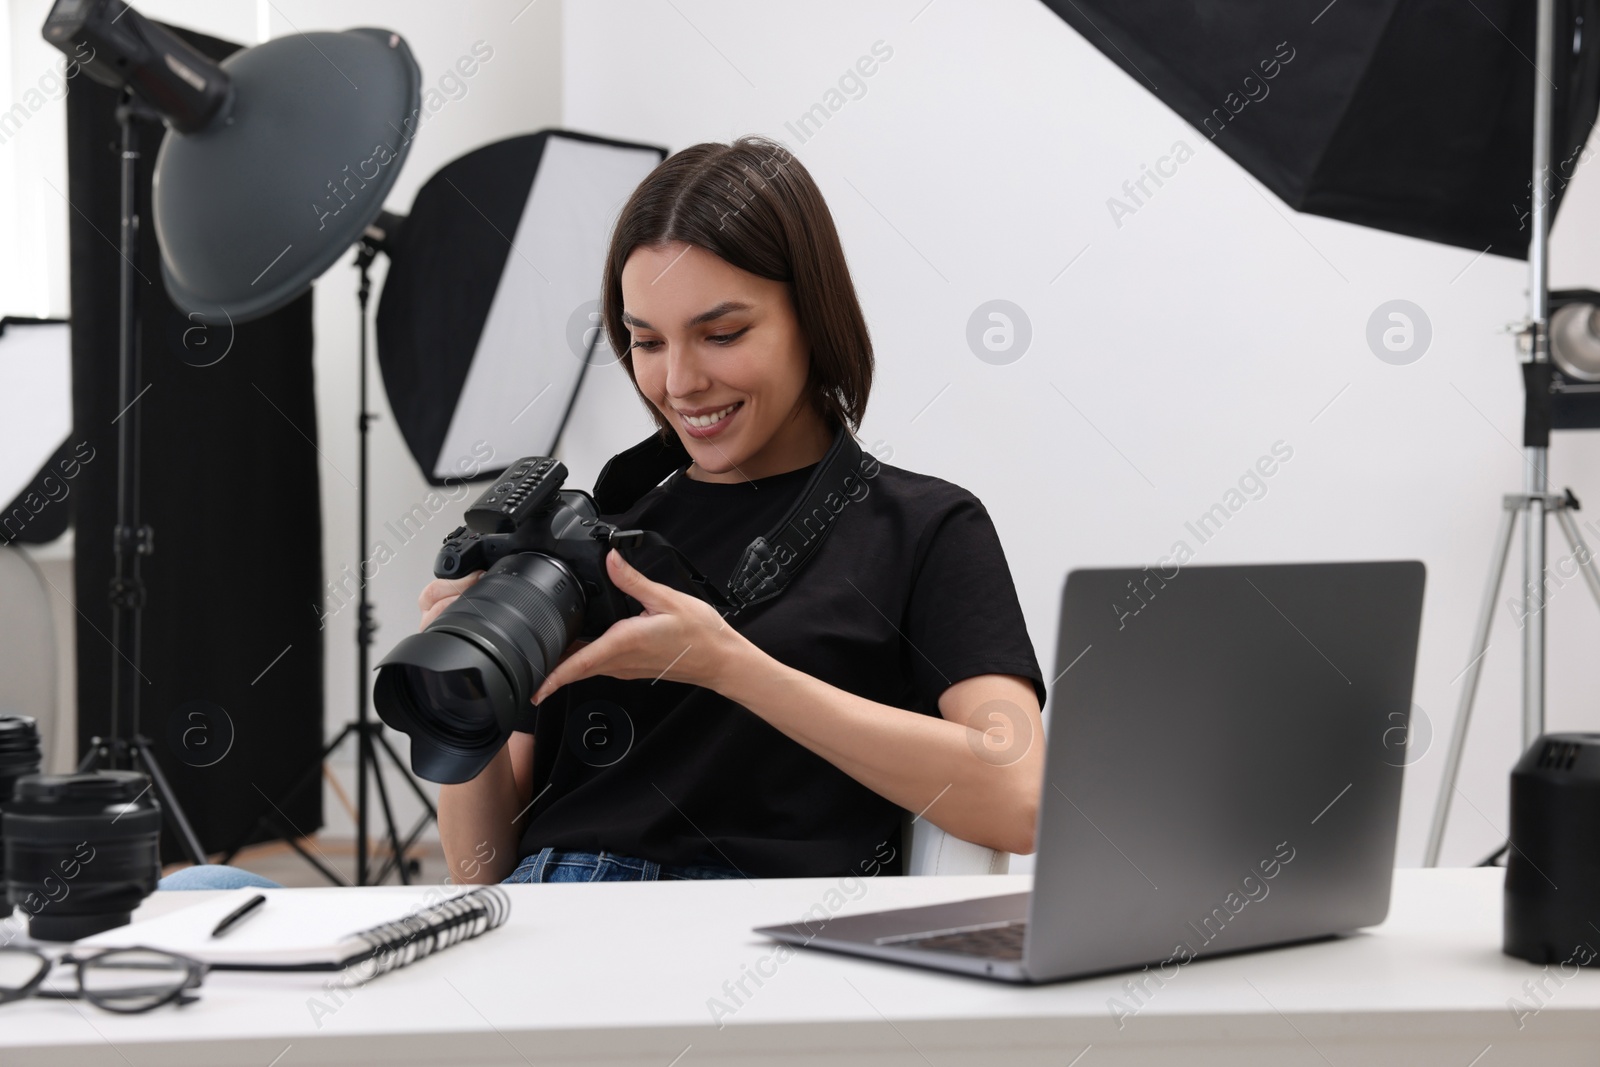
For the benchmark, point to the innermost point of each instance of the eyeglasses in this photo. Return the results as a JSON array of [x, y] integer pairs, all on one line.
[[127, 980]]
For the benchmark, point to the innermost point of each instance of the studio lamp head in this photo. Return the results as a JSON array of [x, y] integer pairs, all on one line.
[[1575, 336], [276, 159], [129, 51]]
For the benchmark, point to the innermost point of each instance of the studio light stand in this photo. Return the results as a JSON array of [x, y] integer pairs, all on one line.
[[367, 731], [126, 748], [1536, 501], [221, 209]]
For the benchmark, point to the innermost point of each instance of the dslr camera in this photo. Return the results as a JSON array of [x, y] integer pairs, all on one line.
[[457, 688]]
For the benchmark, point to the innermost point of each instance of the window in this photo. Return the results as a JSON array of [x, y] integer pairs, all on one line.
[[33, 168]]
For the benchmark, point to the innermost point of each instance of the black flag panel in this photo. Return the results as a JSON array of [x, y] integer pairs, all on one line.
[[1409, 116]]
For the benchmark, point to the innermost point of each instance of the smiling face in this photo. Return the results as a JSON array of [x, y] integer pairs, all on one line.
[[721, 355]]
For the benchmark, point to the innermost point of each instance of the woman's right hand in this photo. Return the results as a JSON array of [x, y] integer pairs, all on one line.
[[441, 593], [576, 644]]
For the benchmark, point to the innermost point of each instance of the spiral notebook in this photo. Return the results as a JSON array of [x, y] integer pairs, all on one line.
[[318, 929]]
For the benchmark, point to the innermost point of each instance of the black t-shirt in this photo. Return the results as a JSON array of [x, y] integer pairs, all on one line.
[[909, 593]]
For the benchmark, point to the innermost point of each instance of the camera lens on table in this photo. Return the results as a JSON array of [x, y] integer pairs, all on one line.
[[20, 755], [82, 850]]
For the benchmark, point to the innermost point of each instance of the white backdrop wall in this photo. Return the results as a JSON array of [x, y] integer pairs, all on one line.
[[1168, 352]]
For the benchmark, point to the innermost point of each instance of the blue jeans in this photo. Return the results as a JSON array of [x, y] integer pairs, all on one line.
[[215, 876], [546, 865], [553, 865]]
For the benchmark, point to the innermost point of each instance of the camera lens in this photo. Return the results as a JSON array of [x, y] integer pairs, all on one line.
[[20, 755], [458, 699], [82, 850], [457, 686]]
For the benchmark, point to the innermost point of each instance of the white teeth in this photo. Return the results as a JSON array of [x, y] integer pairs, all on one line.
[[700, 422]]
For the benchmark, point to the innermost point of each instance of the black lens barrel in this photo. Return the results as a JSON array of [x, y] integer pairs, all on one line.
[[82, 850], [20, 755], [507, 630]]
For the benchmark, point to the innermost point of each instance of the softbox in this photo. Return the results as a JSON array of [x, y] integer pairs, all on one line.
[[1409, 116], [490, 311]]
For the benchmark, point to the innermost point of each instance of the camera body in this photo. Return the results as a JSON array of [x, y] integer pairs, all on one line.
[[528, 511]]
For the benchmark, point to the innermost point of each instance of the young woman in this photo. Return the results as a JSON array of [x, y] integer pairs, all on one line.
[[893, 674]]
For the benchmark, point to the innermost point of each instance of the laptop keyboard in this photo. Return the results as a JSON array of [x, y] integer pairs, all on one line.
[[1002, 941]]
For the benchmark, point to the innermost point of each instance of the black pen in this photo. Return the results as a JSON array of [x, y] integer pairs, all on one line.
[[233, 919]]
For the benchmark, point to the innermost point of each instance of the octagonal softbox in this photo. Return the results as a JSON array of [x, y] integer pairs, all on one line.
[[490, 312]]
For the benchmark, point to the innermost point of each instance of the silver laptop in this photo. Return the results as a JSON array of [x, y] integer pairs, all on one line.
[[1223, 772]]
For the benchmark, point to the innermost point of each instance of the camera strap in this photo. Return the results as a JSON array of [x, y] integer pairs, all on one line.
[[770, 562]]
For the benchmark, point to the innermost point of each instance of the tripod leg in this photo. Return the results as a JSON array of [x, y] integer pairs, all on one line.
[[92, 756], [428, 816], [406, 775], [388, 814], [1469, 687], [291, 837], [405, 846], [363, 755], [312, 772], [1580, 551], [169, 803], [294, 835], [1534, 534]]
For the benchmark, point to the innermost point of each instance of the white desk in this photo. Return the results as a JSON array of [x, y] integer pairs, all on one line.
[[621, 973]]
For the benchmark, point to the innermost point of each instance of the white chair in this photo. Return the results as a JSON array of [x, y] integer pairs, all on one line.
[[933, 851], [28, 645]]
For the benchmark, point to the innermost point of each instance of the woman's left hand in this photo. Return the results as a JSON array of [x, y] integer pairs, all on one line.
[[678, 637]]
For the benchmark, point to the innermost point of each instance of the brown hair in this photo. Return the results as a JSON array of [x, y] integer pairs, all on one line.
[[754, 205]]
